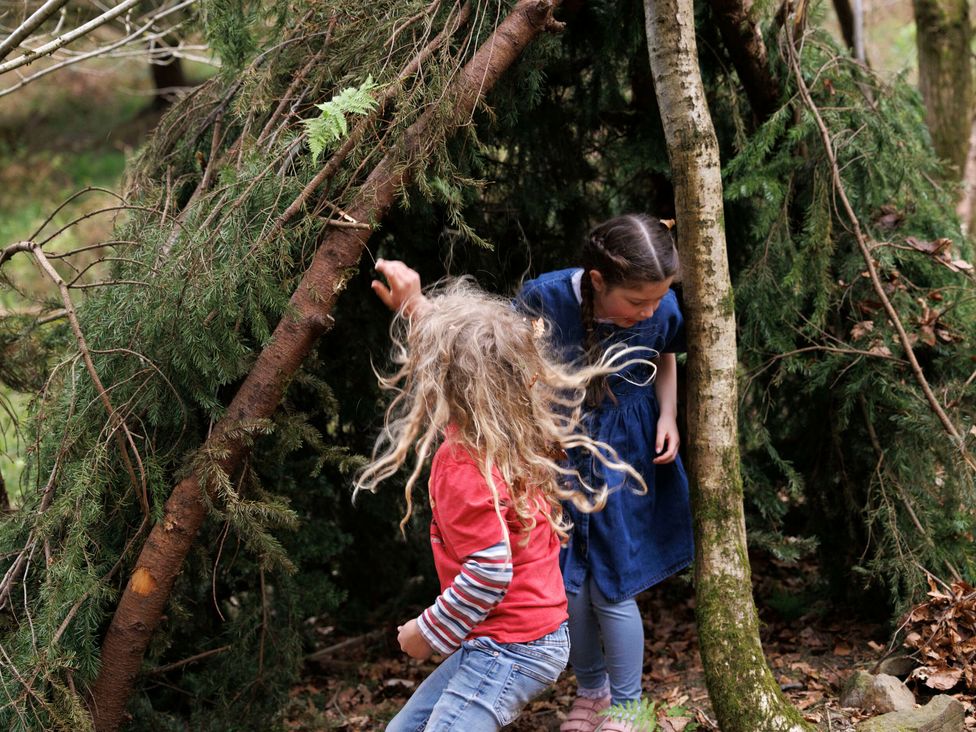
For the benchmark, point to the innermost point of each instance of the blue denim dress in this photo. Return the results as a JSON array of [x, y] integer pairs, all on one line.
[[638, 539]]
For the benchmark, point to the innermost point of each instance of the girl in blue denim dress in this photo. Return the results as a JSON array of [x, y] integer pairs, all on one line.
[[620, 295]]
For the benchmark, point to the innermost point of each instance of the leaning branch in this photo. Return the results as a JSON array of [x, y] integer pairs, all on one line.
[[862, 244], [115, 420]]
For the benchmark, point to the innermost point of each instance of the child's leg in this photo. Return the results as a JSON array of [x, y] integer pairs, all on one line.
[[586, 650], [415, 713], [623, 643], [494, 681]]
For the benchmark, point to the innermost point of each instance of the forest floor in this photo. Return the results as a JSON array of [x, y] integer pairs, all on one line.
[[811, 647]]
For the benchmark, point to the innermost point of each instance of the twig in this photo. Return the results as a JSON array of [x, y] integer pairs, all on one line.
[[166, 668], [264, 621], [286, 98], [139, 486], [30, 25], [345, 224], [138, 35], [67, 38], [359, 640]]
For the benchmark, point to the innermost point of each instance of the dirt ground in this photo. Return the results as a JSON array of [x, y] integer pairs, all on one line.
[[811, 648]]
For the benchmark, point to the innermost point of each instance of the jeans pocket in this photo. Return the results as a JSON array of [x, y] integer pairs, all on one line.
[[532, 669], [522, 685]]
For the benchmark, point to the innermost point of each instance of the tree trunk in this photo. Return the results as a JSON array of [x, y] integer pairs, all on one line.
[[943, 36], [744, 42], [744, 694], [851, 23], [168, 78], [338, 254]]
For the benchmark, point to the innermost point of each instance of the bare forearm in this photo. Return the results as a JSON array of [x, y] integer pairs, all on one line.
[[666, 384]]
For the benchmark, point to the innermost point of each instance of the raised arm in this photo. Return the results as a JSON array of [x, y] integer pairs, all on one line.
[[402, 291]]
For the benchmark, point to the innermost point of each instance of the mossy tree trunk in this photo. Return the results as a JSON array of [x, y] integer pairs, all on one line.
[[744, 694], [147, 592], [945, 75]]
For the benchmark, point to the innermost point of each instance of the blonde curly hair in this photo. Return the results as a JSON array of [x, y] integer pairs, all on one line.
[[471, 361]]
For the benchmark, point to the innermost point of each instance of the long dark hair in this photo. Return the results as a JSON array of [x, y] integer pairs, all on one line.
[[627, 250]]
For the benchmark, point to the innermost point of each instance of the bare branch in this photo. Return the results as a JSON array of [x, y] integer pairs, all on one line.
[[138, 485], [138, 36], [30, 25], [67, 38]]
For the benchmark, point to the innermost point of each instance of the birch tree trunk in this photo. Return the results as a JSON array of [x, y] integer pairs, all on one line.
[[147, 592], [744, 694], [945, 76]]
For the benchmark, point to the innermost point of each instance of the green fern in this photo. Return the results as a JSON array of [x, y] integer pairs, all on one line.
[[331, 126], [643, 714]]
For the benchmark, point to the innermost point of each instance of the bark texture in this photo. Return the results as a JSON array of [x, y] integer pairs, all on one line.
[[146, 594], [744, 694], [743, 40], [945, 77]]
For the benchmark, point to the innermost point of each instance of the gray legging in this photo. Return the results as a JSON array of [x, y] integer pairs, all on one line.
[[607, 644]]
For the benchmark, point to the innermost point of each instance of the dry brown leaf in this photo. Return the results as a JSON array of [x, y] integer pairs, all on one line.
[[929, 247], [841, 648], [861, 329]]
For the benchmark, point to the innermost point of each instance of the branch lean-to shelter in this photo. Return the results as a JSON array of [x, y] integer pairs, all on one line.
[[307, 318], [468, 68], [204, 337]]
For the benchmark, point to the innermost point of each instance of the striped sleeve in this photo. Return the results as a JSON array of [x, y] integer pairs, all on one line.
[[480, 585]]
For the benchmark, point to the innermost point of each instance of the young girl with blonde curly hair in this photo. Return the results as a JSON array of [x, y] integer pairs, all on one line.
[[477, 391], [620, 295]]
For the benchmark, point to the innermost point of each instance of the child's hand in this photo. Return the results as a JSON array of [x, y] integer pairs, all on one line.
[[403, 291], [667, 439], [412, 642]]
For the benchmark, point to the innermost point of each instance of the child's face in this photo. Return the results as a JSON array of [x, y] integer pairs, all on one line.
[[626, 305]]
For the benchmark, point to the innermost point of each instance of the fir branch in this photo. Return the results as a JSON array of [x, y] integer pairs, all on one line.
[[862, 244], [138, 484]]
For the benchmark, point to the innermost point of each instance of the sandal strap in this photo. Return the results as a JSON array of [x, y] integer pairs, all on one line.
[[585, 715], [614, 725]]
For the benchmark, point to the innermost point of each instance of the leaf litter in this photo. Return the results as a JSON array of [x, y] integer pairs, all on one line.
[[810, 653]]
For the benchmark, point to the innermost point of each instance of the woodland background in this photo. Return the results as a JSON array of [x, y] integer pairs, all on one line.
[[858, 502]]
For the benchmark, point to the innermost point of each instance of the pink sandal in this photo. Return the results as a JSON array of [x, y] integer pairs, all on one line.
[[585, 715]]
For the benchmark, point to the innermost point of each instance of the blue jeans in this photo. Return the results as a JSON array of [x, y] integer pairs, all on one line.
[[608, 643], [483, 685]]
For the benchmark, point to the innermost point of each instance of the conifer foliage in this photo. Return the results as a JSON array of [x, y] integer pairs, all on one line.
[[236, 230], [226, 208], [834, 412]]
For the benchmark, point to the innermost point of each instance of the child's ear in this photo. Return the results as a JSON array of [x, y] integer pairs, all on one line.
[[596, 279]]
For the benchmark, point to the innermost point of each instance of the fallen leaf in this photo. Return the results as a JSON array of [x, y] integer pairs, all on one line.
[[861, 329], [929, 247]]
